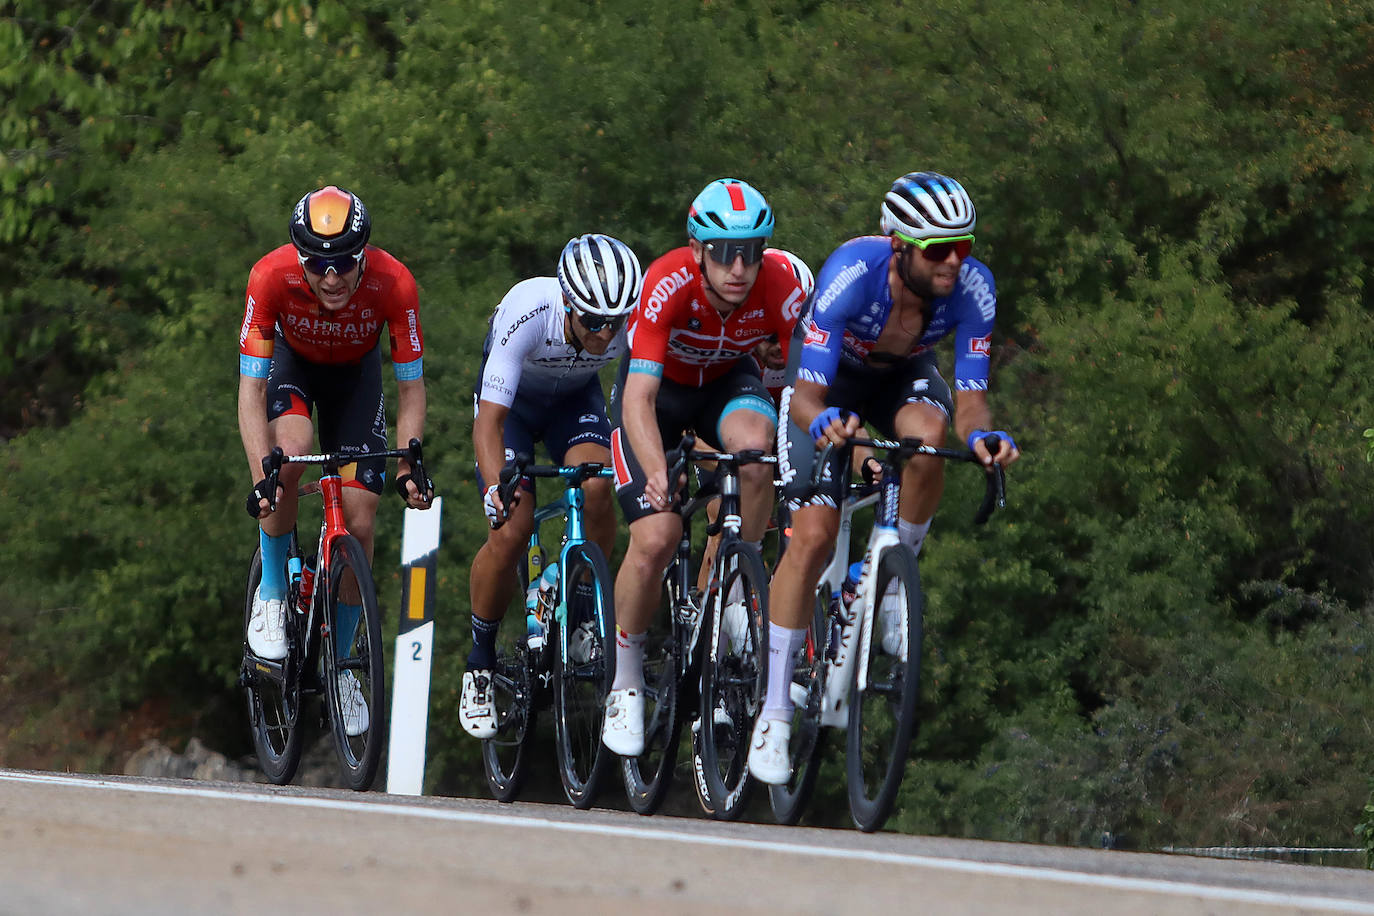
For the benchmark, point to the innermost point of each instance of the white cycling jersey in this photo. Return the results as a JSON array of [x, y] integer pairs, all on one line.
[[528, 353]]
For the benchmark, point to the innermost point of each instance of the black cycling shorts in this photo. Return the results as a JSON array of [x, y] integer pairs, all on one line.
[[345, 401], [680, 409], [875, 395]]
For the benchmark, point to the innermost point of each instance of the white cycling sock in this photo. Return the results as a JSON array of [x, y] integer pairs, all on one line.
[[629, 660], [913, 534], [783, 644]]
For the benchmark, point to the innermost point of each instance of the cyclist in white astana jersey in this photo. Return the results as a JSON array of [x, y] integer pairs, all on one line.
[[549, 339]]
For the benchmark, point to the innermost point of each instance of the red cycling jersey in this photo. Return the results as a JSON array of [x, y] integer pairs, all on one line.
[[674, 327], [280, 298]]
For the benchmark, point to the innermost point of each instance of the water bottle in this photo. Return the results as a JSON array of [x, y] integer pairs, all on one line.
[[307, 588], [548, 582]]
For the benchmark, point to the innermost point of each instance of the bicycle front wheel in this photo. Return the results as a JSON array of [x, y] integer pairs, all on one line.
[[274, 696], [648, 776], [583, 672], [733, 676], [882, 716], [808, 688], [506, 755], [354, 673]]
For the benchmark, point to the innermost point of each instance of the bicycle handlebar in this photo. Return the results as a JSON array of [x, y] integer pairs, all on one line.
[[413, 453], [521, 467], [994, 495]]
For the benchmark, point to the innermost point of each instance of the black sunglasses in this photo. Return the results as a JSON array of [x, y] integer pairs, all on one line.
[[595, 323], [724, 251], [340, 264]]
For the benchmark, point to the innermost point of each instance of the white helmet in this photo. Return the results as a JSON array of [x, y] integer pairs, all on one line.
[[927, 205], [796, 265], [600, 276]]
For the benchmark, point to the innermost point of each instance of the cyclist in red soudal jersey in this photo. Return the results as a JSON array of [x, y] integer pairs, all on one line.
[[704, 309], [309, 352]]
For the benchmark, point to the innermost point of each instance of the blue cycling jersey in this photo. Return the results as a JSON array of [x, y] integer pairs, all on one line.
[[853, 300]]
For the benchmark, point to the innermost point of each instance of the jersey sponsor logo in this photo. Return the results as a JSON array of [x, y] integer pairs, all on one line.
[[658, 296], [977, 287], [414, 321], [365, 314], [647, 366], [816, 337], [751, 316], [353, 331], [693, 324], [791, 308], [980, 346], [810, 375], [588, 418], [519, 321], [840, 283], [247, 321]]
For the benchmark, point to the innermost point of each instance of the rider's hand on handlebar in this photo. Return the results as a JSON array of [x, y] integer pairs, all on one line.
[[261, 501], [410, 487], [1006, 453], [656, 491], [494, 507], [835, 426]]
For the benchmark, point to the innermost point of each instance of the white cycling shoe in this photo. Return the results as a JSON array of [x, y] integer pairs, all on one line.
[[267, 628], [623, 728], [477, 708], [769, 760], [353, 705]]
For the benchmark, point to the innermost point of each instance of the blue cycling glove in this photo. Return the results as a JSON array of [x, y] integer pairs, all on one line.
[[977, 434], [824, 419]]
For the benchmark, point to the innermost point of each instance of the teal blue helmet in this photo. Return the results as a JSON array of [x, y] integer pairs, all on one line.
[[728, 208]]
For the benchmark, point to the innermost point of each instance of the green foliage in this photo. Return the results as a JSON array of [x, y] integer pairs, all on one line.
[[1155, 641]]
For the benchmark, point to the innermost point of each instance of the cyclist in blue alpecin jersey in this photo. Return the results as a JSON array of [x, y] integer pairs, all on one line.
[[864, 353]]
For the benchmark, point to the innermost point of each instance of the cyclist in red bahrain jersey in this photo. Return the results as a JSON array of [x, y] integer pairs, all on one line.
[[309, 356]]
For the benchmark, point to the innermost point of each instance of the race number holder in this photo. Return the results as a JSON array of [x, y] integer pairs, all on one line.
[[405, 772]]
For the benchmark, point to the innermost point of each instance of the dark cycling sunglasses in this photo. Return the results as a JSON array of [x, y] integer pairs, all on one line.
[[595, 323], [938, 249], [340, 264], [724, 251]]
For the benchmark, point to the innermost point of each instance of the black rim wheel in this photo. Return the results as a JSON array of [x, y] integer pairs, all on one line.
[[349, 580], [274, 706], [882, 719], [733, 677], [582, 680]]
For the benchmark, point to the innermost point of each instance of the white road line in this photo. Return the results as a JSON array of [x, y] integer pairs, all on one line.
[[1148, 885]]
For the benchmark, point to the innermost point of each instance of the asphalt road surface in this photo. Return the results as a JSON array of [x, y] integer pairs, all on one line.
[[90, 845]]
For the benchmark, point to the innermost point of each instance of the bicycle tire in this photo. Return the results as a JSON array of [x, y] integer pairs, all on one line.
[[649, 776], [359, 755], [789, 800], [580, 684], [274, 708], [506, 755], [733, 678], [882, 718]]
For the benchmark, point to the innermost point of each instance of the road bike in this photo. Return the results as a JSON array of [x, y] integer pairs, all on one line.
[[705, 658], [860, 666], [341, 661], [562, 654]]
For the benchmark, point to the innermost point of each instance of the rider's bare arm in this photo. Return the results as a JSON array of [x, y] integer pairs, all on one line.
[[641, 426], [410, 424]]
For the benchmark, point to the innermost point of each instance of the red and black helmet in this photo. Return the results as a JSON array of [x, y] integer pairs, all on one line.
[[330, 223]]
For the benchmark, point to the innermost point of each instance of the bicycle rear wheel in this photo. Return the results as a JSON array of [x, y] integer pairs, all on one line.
[[733, 676], [354, 670], [506, 755], [583, 672], [804, 748], [274, 696], [649, 776], [882, 717]]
